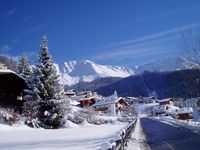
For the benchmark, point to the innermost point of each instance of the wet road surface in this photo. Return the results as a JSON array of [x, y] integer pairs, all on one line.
[[162, 136]]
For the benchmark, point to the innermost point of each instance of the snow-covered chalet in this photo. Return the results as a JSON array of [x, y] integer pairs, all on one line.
[[11, 88], [112, 105]]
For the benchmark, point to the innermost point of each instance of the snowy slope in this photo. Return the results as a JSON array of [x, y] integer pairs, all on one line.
[[85, 70], [161, 65]]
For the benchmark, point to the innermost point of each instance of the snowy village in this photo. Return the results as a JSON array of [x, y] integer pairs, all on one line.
[[99, 75]]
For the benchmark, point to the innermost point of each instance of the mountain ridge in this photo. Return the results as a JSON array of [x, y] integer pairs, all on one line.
[[85, 70], [74, 72]]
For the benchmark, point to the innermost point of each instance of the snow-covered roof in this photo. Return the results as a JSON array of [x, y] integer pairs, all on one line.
[[6, 71], [171, 109], [183, 111], [86, 98], [165, 100], [85, 93], [167, 108], [107, 101], [81, 98], [77, 97], [132, 98], [150, 97]]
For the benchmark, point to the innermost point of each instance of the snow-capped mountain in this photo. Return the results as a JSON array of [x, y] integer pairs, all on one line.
[[161, 65], [73, 72], [85, 70]]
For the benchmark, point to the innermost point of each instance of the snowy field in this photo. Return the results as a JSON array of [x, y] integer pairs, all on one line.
[[88, 137]]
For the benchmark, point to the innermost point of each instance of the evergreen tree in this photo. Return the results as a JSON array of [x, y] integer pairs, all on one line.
[[23, 67], [31, 108], [31, 93], [51, 113], [49, 72]]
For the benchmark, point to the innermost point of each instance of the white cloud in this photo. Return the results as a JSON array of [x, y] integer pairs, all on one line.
[[129, 53], [154, 36], [147, 45], [5, 48]]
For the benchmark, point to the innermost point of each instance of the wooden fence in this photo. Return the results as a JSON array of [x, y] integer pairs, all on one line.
[[120, 140]]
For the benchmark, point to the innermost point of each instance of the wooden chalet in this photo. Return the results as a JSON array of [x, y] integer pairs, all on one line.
[[183, 114], [112, 106], [11, 88], [86, 102]]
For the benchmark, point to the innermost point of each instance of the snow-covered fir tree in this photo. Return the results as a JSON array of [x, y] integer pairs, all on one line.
[[48, 69], [32, 98], [31, 93], [23, 67], [51, 114]]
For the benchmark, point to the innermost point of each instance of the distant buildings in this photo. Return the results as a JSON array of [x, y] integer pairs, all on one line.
[[111, 105], [166, 106]]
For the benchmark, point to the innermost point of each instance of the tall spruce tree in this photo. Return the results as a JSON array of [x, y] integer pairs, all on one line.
[[49, 72], [51, 114]]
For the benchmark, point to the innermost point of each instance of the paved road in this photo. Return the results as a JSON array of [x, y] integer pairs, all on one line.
[[161, 136]]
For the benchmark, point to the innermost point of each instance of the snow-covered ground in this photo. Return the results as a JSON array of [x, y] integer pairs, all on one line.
[[88, 137], [138, 140], [189, 124]]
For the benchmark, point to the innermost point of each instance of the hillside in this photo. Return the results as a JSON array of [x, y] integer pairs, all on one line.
[[97, 83], [181, 83], [160, 65]]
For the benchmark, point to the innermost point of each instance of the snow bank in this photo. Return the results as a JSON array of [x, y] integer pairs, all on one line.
[[192, 125], [75, 138]]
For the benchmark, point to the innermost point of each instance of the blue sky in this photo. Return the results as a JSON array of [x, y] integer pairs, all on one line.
[[115, 32]]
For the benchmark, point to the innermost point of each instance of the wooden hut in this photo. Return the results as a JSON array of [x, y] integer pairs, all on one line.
[[11, 88]]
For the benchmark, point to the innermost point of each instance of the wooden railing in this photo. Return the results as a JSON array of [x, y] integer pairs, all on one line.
[[120, 140]]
